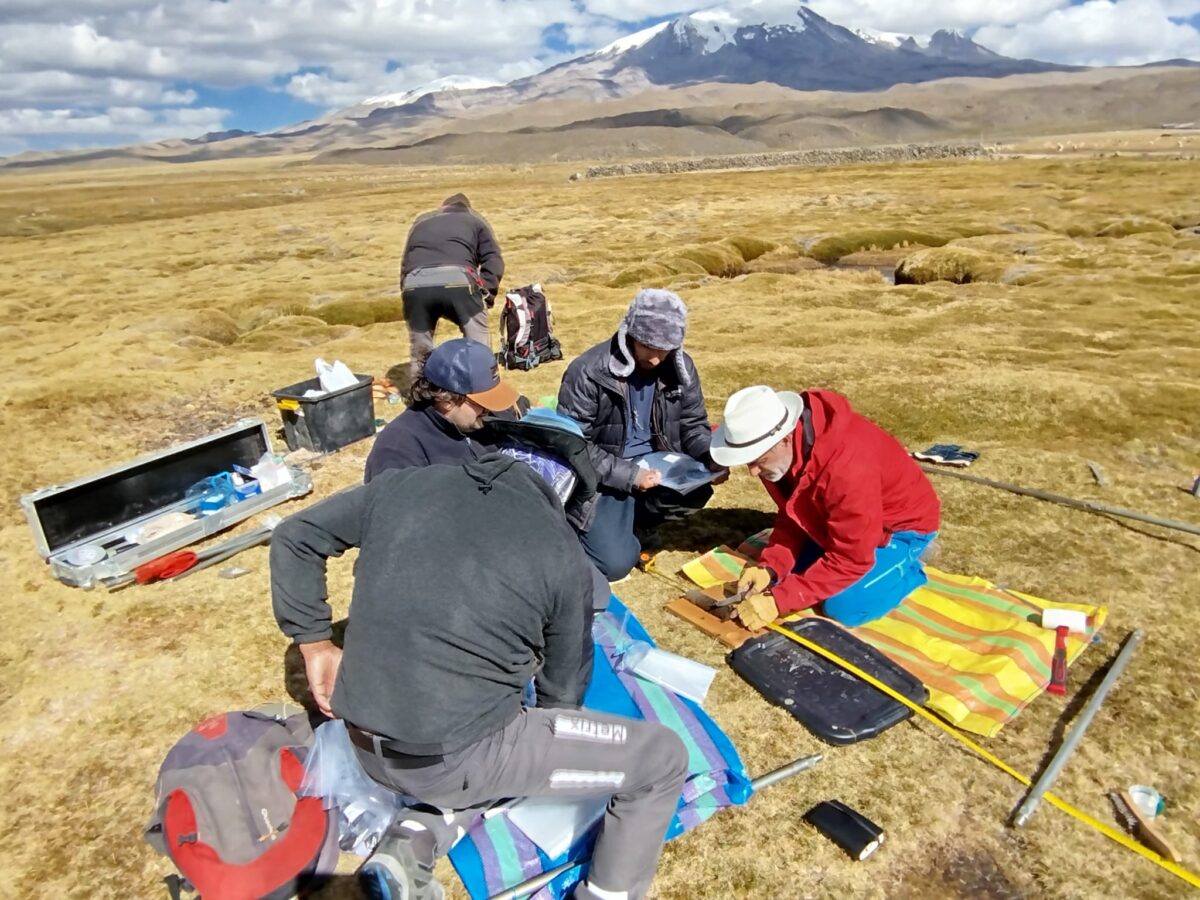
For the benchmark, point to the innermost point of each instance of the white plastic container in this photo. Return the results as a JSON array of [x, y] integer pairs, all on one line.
[[554, 825], [684, 676]]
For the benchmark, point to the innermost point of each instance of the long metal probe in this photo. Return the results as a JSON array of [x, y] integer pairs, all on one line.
[[1051, 773], [535, 884]]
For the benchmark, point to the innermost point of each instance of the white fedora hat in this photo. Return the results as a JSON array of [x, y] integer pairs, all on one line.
[[756, 419]]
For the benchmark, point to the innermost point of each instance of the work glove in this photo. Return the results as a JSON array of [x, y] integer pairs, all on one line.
[[757, 611], [754, 580]]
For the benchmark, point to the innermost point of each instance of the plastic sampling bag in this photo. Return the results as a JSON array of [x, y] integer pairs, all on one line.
[[366, 808], [334, 377], [684, 676]]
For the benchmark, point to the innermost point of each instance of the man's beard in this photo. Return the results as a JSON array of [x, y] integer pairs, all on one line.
[[773, 475]]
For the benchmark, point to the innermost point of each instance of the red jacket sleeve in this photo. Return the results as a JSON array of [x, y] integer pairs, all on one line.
[[854, 508], [787, 539]]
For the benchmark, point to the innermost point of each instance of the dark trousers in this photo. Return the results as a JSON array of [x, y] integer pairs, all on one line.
[[424, 307], [560, 753], [612, 544]]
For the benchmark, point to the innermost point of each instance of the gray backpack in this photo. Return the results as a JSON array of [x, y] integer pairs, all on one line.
[[228, 814]]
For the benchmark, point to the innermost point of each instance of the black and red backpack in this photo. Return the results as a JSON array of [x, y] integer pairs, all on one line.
[[229, 815], [527, 330]]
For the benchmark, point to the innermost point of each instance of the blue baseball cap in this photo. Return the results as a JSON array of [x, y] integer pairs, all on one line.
[[468, 367]]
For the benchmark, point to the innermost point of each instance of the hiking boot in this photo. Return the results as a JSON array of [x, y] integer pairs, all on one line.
[[396, 871]]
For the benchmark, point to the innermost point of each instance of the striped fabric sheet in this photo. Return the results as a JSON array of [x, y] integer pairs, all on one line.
[[495, 855], [977, 647]]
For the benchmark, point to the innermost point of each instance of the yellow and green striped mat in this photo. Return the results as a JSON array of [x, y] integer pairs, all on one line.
[[977, 647]]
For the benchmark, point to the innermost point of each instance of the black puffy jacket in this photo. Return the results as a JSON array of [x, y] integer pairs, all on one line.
[[599, 401]]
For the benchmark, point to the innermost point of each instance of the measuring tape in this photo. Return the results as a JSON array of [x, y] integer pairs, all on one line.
[[1109, 832]]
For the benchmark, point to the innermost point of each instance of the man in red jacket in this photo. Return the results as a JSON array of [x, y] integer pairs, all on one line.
[[855, 511]]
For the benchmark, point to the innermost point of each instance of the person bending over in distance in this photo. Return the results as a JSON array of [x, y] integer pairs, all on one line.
[[856, 513], [451, 269], [636, 393]]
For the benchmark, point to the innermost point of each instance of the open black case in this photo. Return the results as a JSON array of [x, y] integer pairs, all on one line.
[[97, 513], [826, 699]]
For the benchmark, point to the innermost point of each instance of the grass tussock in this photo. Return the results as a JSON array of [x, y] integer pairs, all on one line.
[[750, 248], [361, 312], [958, 265], [830, 249], [186, 290], [722, 259], [1130, 226]]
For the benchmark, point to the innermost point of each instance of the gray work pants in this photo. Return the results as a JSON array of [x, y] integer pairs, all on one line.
[[568, 754]]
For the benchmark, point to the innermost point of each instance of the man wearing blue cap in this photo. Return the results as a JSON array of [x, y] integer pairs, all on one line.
[[635, 394], [458, 385]]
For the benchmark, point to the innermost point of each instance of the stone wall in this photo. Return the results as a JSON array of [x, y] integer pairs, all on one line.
[[843, 156]]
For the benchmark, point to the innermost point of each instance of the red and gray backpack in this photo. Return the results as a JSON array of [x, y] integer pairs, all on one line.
[[527, 330], [228, 813]]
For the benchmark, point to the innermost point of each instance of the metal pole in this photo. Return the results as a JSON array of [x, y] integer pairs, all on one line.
[[1088, 505], [1051, 773], [792, 768], [535, 884]]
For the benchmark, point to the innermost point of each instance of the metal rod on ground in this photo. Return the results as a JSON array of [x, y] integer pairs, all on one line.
[[535, 884], [1088, 505], [1051, 773], [793, 768], [227, 550]]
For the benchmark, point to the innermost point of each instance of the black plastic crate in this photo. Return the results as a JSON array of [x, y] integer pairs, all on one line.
[[329, 422]]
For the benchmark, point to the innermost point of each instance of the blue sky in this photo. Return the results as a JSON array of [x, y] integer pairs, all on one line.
[[79, 73]]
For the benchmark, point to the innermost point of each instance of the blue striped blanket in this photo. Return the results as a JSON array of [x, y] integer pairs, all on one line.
[[494, 855]]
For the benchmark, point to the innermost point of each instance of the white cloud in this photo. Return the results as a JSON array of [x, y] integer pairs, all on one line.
[[639, 10], [71, 63], [115, 121], [927, 16], [1101, 32]]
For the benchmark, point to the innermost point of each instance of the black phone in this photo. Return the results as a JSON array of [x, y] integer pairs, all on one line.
[[846, 827]]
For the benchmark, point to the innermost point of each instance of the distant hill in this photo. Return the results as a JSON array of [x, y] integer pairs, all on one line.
[[709, 83]]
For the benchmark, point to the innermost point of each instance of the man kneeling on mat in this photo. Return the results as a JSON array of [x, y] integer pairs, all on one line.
[[451, 617], [855, 511]]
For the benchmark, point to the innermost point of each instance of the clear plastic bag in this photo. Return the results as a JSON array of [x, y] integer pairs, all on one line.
[[332, 771], [336, 376]]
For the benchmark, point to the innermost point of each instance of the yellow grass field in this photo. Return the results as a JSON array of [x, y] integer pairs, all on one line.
[[144, 307]]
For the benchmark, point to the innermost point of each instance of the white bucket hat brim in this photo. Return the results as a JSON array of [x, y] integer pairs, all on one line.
[[752, 438]]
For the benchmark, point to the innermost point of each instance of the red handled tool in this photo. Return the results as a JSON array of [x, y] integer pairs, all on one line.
[[1058, 665]]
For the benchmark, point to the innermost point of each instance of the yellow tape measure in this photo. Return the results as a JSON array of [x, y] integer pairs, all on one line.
[[1109, 832]]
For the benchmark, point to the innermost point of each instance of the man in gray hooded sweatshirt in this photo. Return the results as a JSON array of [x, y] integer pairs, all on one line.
[[637, 393]]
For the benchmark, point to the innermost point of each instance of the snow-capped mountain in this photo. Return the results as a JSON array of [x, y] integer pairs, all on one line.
[[802, 50], [450, 82], [708, 54], [790, 45]]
